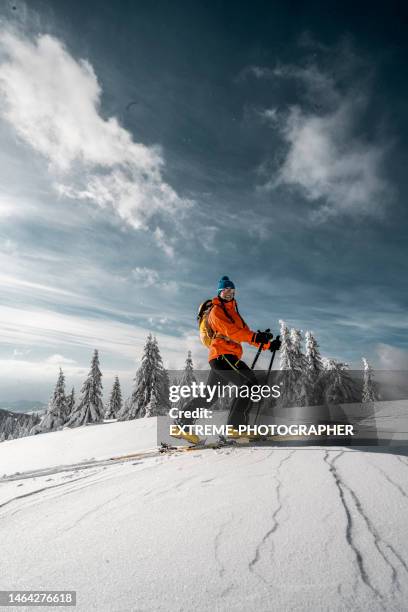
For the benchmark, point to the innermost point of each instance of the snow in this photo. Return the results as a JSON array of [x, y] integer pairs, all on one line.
[[230, 529], [99, 441]]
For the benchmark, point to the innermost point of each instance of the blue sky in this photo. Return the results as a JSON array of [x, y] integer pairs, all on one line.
[[148, 148]]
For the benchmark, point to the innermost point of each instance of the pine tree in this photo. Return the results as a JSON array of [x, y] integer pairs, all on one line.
[[297, 359], [151, 380], [292, 362], [285, 350], [115, 401], [188, 373], [298, 377], [313, 358], [314, 370], [90, 407], [164, 401], [153, 407], [56, 413], [187, 378], [338, 385], [9, 427], [70, 403], [369, 391]]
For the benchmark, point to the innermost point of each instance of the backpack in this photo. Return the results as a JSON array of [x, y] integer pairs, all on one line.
[[206, 333]]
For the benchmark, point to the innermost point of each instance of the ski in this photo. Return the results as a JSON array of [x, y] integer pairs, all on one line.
[[277, 439], [203, 444]]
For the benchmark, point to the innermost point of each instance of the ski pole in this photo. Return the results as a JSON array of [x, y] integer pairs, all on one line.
[[267, 380], [271, 361], [258, 352]]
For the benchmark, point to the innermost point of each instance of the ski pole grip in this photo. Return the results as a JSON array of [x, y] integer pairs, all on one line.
[[268, 331]]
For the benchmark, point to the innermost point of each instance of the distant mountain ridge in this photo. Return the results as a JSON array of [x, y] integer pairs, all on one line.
[[16, 424], [22, 405]]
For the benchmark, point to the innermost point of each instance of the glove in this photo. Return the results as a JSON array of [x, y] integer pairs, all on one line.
[[276, 344], [262, 337]]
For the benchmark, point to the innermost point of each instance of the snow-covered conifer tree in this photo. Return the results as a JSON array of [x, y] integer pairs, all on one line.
[[338, 385], [17, 432], [70, 403], [369, 391], [115, 401], [9, 427], [298, 375], [90, 407], [285, 350], [188, 373], [187, 378], [297, 359], [56, 413], [314, 370], [153, 407], [313, 358], [164, 401], [151, 380], [292, 362]]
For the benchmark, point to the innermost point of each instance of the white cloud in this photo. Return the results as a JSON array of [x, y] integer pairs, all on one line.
[[319, 86], [12, 207], [328, 165], [146, 276], [9, 246], [391, 358], [259, 72], [325, 159], [269, 114], [21, 352], [35, 371], [40, 377], [163, 242], [53, 102], [7, 281], [41, 327], [6, 208], [59, 360], [161, 322]]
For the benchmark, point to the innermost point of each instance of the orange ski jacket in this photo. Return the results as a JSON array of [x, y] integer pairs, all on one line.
[[230, 330]]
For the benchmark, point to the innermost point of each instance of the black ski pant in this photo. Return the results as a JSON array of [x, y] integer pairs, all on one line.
[[226, 369]]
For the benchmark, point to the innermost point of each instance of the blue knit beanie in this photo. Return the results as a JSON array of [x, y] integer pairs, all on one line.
[[225, 283]]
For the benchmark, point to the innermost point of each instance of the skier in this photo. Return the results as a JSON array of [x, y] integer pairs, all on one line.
[[222, 330]]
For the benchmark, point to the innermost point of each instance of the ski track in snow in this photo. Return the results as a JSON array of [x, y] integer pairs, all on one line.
[[93, 477], [219, 564], [390, 480], [275, 523], [38, 491], [403, 460], [379, 542], [92, 511]]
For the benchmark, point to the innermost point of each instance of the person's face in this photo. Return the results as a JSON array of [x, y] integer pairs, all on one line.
[[227, 294]]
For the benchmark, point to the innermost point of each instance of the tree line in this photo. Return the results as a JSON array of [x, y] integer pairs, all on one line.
[[309, 379]]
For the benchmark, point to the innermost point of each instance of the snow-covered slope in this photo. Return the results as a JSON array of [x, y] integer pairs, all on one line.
[[232, 529], [76, 445]]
